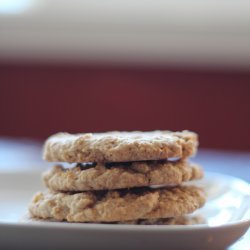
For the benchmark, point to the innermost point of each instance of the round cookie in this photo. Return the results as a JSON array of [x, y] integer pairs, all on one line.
[[181, 220], [120, 146], [122, 205], [117, 176]]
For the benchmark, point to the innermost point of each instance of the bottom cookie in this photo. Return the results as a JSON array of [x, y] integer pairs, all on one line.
[[181, 220], [119, 205]]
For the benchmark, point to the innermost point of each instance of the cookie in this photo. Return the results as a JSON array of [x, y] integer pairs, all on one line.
[[181, 220], [119, 146], [117, 176], [122, 205]]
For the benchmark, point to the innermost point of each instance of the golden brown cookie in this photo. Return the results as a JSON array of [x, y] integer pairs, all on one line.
[[119, 146], [181, 220], [117, 176], [122, 205]]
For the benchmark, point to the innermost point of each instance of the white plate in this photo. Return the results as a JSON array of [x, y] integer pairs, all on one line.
[[227, 213]]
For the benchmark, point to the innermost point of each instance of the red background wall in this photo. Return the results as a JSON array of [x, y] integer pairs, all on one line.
[[37, 100]]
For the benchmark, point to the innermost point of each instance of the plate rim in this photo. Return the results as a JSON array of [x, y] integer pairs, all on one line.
[[121, 227]]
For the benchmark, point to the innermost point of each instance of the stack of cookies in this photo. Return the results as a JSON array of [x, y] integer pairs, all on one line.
[[120, 177]]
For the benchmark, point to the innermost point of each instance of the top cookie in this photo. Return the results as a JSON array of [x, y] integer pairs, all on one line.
[[120, 146]]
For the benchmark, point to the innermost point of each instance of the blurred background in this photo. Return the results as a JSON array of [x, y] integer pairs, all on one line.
[[91, 65]]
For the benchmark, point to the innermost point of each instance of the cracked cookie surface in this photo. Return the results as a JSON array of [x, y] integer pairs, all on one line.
[[122, 205], [120, 146], [129, 175]]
